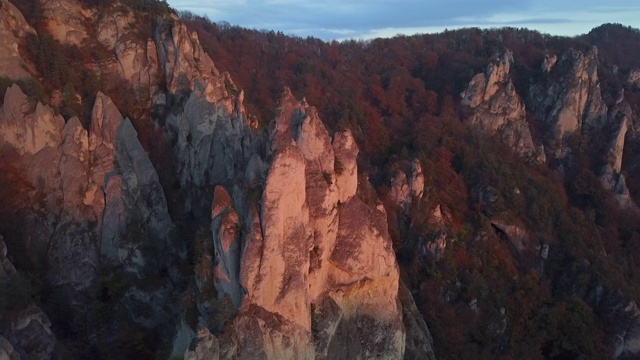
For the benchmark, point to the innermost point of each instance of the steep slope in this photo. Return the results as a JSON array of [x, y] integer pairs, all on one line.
[[495, 106]]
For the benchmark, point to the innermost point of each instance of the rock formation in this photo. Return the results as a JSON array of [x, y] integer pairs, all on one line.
[[403, 190], [66, 20], [13, 27], [312, 269], [495, 107], [136, 58], [568, 99], [97, 199]]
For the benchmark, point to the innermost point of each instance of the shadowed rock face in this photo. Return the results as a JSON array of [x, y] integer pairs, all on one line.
[[97, 201], [28, 335]]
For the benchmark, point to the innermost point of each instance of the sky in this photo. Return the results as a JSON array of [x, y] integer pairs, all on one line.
[[367, 19]]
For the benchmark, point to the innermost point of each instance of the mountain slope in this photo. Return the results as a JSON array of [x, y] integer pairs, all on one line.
[[486, 176]]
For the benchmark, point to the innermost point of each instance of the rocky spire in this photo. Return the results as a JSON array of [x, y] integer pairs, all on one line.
[[495, 106]]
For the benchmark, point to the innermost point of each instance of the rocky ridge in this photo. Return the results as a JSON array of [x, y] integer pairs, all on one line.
[[103, 206]]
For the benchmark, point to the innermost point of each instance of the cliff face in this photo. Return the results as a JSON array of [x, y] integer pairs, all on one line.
[[96, 204], [240, 242], [307, 265], [496, 108], [104, 178], [310, 266], [13, 27], [568, 98]]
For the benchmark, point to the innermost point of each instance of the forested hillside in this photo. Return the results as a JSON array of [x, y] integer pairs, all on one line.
[[401, 98]]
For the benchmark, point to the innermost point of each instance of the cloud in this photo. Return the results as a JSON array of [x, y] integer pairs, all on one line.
[[333, 19]]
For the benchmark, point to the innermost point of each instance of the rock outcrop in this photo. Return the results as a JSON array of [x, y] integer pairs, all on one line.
[[187, 68], [136, 58], [611, 177], [306, 265], [97, 200], [419, 344], [407, 186], [7, 351], [13, 27], [67, 20], [495, 106], [616, 184], [633, 78], [569, 100], [312, 272]]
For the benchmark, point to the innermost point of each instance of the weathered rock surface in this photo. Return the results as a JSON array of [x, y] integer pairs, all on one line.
[[624, 318], [206, 346], [406, 186], [568, 99], [28, 133], [225, 223], [67, 20], [97, 201], [633, 78], [313, 269], [495, 107], [621, 118], [187, 68], [13, 27], [400, 191], [30, 333], [515, 233], [417, 179], [7, 270], [136, 59]]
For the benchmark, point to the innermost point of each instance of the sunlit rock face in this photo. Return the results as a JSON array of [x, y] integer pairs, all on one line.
[[568, 98], [136, 58], [495, 106], [187, 68], [311, 267], [67, 20], [13, 27]]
